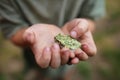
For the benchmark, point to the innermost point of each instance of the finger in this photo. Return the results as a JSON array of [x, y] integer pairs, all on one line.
[[64, 57], [43, 59], [46, 57], [81, 55], [56, 59], [88, 45], [29, 37], [75, 60], [79, 28], [71, 53]]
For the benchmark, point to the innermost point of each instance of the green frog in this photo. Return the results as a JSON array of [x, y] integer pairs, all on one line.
[[67, 41]]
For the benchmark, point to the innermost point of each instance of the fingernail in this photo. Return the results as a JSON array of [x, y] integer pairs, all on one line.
[[73, 34]]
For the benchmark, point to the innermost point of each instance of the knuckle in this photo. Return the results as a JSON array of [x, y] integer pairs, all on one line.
[[27, 33], [82, 26]]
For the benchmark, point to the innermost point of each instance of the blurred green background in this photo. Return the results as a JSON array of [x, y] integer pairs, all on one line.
[[104, 66]]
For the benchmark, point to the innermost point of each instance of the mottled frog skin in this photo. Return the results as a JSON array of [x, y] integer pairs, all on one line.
[[67, 41]]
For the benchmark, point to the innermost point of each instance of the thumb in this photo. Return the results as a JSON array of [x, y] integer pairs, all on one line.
[[80, 28], [29, 37]]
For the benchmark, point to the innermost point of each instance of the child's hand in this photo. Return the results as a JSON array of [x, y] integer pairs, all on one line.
[[79, 29]]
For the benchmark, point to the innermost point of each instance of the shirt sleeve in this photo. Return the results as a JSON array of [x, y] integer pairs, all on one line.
[[11, 20], [93, 9]]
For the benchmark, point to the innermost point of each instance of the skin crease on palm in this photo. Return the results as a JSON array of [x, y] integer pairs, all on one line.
[[47, 53]]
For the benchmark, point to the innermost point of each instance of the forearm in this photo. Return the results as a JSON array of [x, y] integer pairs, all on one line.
[[17, 38]]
